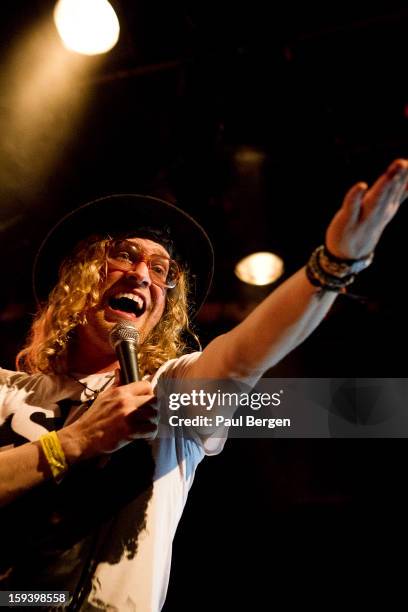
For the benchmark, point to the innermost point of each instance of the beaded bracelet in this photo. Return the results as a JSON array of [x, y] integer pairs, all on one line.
[[329, 272], [335, 266]]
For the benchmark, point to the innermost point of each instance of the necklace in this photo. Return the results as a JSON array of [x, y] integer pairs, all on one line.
[[94, 392]]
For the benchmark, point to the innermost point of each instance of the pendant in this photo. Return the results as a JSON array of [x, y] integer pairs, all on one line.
[[91, 400]]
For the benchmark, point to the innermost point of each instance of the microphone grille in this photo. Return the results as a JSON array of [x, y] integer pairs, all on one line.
[[124, 330]]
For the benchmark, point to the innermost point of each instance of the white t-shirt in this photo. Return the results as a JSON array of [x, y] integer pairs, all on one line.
[[115, 522]]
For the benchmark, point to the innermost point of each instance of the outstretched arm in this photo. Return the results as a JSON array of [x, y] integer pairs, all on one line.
[[291, 312]]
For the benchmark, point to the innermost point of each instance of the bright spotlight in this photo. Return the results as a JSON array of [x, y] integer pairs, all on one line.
[[260, 268], [89, 27]]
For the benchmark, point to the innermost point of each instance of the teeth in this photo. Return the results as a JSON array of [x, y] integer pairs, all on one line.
[[130, 296]]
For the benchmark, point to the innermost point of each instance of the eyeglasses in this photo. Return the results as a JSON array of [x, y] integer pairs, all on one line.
[[125, 255]]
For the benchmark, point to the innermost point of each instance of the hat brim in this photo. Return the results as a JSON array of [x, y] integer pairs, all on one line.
[[121, 213]]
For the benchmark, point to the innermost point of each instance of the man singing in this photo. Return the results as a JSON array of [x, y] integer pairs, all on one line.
[[91, 496]]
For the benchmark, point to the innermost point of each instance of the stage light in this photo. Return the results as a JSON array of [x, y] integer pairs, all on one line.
[[89, 27], [249, 156], [260, 268], [43, 92]]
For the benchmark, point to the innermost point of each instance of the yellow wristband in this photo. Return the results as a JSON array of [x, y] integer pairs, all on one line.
[[54, 454]]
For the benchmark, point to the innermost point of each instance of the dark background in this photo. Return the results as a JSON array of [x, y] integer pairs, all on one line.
[[256, 120]]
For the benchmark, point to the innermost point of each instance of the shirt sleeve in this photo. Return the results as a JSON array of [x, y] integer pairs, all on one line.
[[178, 368]]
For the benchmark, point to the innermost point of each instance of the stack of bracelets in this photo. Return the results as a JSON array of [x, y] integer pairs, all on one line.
[[326, 271]]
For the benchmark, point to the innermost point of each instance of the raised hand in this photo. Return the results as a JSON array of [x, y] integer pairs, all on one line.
[[357, 227]]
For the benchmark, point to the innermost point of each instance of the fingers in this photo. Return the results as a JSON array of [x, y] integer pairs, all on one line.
[[116, 382], [144, 420], [396, 166], [353, 201], [142, 387], [147, 412], [136, 389], [118, 415], [141, 414], [126, 397], [398, 173], [389, 189], [402, 191]]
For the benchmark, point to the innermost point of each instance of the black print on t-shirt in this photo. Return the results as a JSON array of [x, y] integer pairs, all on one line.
[[22, 422], [9, 437], [51, 523]]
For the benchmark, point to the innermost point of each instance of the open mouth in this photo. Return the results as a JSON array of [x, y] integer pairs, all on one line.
[[127, 302]]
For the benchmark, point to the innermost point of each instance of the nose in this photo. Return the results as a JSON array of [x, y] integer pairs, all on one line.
[[140, 272]]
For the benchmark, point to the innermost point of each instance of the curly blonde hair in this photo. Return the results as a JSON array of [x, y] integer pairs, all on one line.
[[78, 289]]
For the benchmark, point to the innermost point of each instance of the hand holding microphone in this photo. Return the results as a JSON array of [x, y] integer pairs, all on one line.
[[120, 414]]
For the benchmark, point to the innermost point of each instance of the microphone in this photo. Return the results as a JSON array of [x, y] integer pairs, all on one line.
[[124, 339]]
